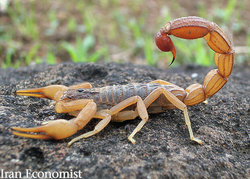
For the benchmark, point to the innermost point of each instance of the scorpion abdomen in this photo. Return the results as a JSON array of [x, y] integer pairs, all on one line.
[[112, 95]]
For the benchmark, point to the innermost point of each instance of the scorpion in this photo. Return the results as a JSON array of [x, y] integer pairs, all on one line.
[[127, 102]]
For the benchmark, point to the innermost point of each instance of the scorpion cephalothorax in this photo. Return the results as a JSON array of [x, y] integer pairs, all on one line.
[[126, 102]]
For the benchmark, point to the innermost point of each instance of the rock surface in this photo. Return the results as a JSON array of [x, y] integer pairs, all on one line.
[[163, 148]]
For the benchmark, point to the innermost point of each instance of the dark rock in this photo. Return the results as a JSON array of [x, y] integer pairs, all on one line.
[[163, 148]]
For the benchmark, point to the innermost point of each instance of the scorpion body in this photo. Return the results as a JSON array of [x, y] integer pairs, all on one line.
[[126, 102], [112, 95]]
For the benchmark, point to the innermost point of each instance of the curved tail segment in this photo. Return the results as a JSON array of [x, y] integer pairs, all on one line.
[[192, 28]]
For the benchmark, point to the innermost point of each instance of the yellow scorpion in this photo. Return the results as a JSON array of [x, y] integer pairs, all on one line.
[[127, 102]]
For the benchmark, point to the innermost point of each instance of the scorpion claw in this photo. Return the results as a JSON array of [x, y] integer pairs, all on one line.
[[52, 92], [58, 129], [33, 136], [31, 92]]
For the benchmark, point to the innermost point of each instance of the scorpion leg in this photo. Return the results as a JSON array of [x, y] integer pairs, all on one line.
[[61, 128], [118, 115], [74, 113], [125, 115], [140, 108], [176, 102], [106, 118]]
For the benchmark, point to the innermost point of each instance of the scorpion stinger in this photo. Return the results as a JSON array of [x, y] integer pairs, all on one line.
[[165, 44]]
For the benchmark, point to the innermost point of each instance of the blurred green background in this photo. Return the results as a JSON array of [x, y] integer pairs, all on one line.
[[33, 32]]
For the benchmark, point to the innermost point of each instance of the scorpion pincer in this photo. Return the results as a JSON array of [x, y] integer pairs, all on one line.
[[127, 102]]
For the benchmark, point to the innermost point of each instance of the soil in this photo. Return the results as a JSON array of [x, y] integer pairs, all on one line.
[[163, 148]]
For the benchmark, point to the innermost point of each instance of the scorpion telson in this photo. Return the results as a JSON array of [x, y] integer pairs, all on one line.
[[127, 102], [165, 44]]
